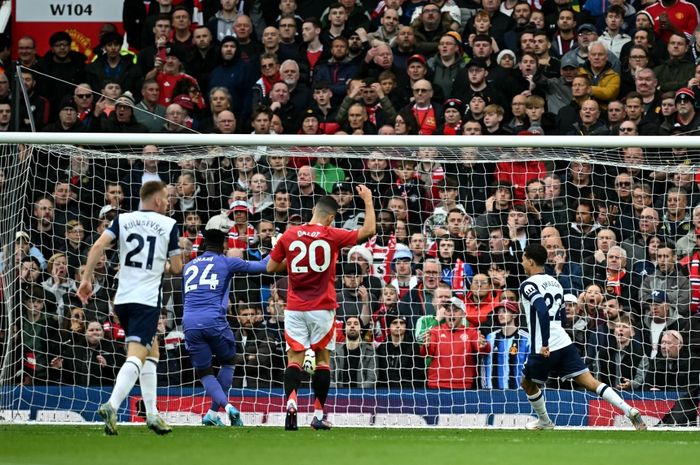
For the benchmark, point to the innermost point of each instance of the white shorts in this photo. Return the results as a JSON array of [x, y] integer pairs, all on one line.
[[313, 329]]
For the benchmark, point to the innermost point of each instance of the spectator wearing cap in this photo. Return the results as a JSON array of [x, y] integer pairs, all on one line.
[[587, 34], [686, 118], [168, 72], [347, 216], [65, 66], [477, 74], [416, 69], [403, 277], [353, 297], [398, 364], [122, 119], [452, 349], [338, 70], [452, 115], [447, 65], [67, 118], [24, 248], [557, 90], [503, 367], [111, 63]]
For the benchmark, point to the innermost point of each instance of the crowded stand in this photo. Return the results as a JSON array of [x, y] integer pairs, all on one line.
[[432, 300]]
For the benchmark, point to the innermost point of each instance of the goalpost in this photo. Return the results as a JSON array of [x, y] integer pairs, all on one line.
[[58, 191]]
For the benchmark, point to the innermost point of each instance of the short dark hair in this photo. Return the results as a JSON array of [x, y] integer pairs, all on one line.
[[151, 188], [214, 239], [537, 253], [327, 205]]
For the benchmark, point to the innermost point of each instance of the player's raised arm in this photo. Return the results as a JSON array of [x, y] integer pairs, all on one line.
[[238, 265], [96, 252], [369, 227]]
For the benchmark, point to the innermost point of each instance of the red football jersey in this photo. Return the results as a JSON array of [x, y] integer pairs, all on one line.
[[312, 251]]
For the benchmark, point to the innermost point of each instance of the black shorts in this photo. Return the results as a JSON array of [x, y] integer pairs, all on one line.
[[140, 322], [564, 363]]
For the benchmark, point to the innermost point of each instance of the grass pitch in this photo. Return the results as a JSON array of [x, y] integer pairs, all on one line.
[[76, 445]]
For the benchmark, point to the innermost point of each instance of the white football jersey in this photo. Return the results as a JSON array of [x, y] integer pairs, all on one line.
[[546, 288], [146, 240]]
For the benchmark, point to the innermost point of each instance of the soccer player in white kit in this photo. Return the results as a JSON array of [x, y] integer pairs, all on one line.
[[542, 299], [148, 247]]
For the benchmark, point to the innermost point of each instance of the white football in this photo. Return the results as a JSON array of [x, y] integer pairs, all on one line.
[[309, 364]]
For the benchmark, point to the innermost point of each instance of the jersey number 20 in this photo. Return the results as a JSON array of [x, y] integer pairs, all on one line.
[[311, 252]]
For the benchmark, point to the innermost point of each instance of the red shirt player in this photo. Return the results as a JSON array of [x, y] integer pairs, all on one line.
[[309, 253]]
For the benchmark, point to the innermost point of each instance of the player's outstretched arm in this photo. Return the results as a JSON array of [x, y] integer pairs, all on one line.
[[276, 267], [239, 265], [96, 252], [369, 227]]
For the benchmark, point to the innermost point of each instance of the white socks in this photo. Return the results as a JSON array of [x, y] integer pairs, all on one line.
[[149, 385], [126, 378], [609, 394], [538, 405]]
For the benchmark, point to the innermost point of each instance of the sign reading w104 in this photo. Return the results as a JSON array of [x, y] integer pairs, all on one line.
[[66, 10]]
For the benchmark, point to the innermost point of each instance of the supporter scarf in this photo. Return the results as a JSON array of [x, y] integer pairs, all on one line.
[[694, 278], [372, 113], [267, 83], [380, 330], [195, 245], [385, 272], [613, 284], [458, 277], [450, 130], [234, 239]]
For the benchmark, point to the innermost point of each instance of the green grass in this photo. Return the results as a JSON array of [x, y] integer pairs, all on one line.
[[76, 445]]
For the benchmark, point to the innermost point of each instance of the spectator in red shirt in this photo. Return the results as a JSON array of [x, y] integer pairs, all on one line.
[[453, 348]]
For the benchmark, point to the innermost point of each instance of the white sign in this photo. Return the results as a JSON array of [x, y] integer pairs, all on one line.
[[51, 11]]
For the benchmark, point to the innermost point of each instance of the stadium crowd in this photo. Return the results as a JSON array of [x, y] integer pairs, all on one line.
[[431, 300]]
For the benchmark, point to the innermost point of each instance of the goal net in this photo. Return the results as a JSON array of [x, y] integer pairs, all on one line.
[[429, 329]]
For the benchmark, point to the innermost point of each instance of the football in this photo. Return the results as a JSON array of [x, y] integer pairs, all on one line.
[[309, 364]]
